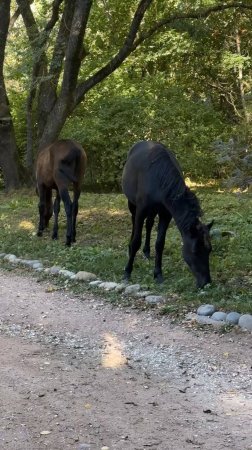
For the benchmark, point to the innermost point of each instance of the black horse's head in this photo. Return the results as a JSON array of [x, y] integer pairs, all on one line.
[[196, 251]]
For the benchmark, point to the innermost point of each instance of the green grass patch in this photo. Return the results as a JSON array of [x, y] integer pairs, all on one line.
[[103, 231]]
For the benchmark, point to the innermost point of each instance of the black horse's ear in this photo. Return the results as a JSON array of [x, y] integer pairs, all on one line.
[[209, 225], [194, 229]]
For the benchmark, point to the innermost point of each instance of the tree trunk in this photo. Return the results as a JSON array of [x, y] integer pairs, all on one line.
[[240, 77], [8, 152], [8, 148]]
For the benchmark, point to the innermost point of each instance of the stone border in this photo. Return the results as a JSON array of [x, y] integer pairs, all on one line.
[[133, 290], [206, 314]]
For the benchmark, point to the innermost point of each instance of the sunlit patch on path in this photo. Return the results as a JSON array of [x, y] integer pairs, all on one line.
[[113, 353]]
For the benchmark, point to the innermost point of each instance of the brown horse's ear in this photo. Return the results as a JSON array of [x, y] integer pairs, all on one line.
[[209, 225]]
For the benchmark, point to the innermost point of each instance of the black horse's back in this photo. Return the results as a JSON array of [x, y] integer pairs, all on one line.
[[151, 170]]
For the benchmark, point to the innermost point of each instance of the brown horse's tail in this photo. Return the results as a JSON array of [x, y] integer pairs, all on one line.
[[68, 166]]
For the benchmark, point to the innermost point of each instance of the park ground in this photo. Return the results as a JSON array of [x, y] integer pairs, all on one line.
[[79, 373]]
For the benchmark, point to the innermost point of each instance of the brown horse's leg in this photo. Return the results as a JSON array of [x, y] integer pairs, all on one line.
[[160, 242], [49, 207], [65, 197], [41, 208], [135, 243], [56, 210], [75, 210]]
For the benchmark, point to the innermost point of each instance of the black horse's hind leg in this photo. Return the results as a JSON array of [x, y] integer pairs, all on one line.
[[135, 243], [148, 226], [42, 208], [64, 194], [160, 242], [56, 210], [75, 211]]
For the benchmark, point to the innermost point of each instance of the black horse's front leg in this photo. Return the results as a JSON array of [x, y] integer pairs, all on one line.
[[149, 226], [160, 243]]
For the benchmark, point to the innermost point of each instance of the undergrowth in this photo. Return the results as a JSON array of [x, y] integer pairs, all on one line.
[[103, 231]]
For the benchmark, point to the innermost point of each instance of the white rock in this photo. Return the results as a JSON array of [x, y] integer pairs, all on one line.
[[206, 310], [10, 257], [54, 270], [142, 294], [66, 273], [95, 283], [108, 285], [37, 265], [85, 276], [154, 299], [120, 287], [219, 315], [132, 289], [233, 317], [245, 322]]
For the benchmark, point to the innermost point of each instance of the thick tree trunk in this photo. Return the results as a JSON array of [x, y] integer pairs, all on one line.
[[8, 148]]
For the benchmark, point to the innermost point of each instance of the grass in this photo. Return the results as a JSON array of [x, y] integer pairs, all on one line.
[[103, 232]]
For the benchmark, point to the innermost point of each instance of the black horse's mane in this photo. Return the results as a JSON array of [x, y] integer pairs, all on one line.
[[186, 209]]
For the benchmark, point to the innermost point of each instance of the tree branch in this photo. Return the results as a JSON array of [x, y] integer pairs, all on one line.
[[201, 14], [131, 43], [75, 45], [61, 42], [117, 60], [30, 23]]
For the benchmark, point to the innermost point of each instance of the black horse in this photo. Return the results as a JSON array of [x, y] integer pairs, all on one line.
[[59, 165], [154, 185]]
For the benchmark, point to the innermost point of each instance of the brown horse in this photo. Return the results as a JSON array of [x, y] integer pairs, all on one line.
[[57, 166]]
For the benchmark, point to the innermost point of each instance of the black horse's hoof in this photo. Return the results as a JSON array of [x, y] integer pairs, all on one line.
[[39, 233], [159, 278], [146, 255], [126, 277]]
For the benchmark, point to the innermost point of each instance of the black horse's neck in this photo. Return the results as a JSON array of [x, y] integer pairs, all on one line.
[[185, 210]]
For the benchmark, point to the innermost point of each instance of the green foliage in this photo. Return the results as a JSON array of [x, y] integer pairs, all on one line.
[[181, 86], [103, 231], [120, 113]]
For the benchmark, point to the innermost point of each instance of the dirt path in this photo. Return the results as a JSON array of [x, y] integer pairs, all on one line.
[[79, 374]]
